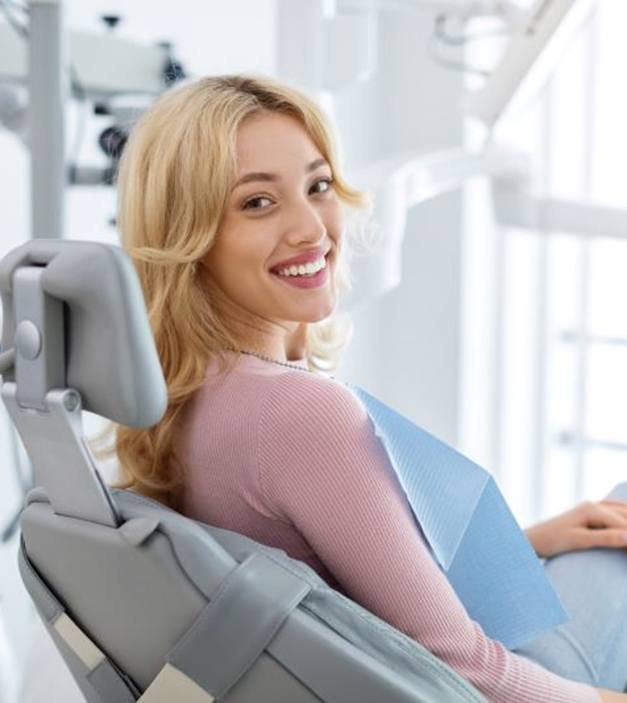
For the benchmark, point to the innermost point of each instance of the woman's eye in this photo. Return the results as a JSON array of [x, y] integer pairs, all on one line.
[[261, 202], [325, 183], [256, 203]]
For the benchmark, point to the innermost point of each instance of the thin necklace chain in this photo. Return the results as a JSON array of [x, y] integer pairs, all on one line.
[[267, 358]]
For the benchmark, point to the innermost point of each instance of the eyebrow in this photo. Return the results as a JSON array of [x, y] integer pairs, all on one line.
[[249, 177]]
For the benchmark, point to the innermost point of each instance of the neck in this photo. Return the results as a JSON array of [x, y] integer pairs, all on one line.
[[277, 339], [296, 345], [290, 347], [276, 352]]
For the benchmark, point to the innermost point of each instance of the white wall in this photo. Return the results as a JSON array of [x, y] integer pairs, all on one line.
[[406, 346]]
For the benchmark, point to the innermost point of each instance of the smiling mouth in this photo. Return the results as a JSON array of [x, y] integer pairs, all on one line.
[[275, 270]]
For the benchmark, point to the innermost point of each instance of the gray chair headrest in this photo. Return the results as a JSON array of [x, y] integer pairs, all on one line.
[[111, 359]]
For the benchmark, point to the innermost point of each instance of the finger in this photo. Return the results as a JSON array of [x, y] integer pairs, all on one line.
[[598, 515], [610, 537], [615, 504], [618, 506]]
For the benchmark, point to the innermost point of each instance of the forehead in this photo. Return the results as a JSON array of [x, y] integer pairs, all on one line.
[[269, 140]]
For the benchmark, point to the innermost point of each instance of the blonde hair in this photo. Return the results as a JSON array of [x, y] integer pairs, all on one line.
[[174, 180]]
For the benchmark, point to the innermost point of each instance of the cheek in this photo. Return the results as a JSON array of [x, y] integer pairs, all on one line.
[[334, 220], [222, 263], [336, 230], [237, 260]]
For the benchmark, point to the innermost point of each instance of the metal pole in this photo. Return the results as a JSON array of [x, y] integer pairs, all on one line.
[[47, 87], [47, 149]]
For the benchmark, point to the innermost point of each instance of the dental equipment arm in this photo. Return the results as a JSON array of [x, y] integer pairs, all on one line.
[[537, 38]]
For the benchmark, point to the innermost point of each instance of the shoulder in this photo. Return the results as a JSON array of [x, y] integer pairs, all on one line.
[[294, 398], [316, 445]]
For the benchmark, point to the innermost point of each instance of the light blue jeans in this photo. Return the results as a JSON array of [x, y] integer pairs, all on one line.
[[592, 646]]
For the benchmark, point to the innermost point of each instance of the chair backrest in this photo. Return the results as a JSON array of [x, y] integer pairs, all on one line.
[[143, 603]]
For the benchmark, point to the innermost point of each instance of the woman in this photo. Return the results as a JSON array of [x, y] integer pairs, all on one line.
[[233, 208]]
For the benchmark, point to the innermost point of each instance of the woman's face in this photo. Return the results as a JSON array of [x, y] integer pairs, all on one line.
[[282, 205]]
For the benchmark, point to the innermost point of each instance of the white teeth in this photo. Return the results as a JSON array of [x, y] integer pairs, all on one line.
[[304, 269]]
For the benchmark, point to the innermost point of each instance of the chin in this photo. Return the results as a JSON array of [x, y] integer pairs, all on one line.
[[321, 314]]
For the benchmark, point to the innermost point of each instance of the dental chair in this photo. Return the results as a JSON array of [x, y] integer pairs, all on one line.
[[142, 602]]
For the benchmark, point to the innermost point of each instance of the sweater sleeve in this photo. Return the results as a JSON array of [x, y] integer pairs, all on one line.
[[322, 468]]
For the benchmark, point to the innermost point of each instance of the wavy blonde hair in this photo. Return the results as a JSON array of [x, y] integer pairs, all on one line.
[[174, 181]]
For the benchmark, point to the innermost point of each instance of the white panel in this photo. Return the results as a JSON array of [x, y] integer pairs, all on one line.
[[173, 685], [81, 645], [13, 55], [105, 63], [606, 413], [608, 293]]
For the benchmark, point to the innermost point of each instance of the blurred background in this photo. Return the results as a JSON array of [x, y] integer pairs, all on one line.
[[489, 311]]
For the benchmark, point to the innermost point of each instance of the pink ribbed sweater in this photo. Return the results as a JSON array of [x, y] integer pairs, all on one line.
[[290, 459]]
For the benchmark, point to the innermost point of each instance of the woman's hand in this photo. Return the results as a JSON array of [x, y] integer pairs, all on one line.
[[611, 696], [589, 524]]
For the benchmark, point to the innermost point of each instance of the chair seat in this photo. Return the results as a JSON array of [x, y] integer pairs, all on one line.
[[116, 582]]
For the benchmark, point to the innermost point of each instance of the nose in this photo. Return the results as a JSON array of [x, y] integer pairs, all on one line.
[[306, 225]]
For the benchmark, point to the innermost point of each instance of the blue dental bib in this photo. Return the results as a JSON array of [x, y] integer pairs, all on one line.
[[470, 529]]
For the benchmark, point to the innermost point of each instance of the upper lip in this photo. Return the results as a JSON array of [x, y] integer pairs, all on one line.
[[304, 258]]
